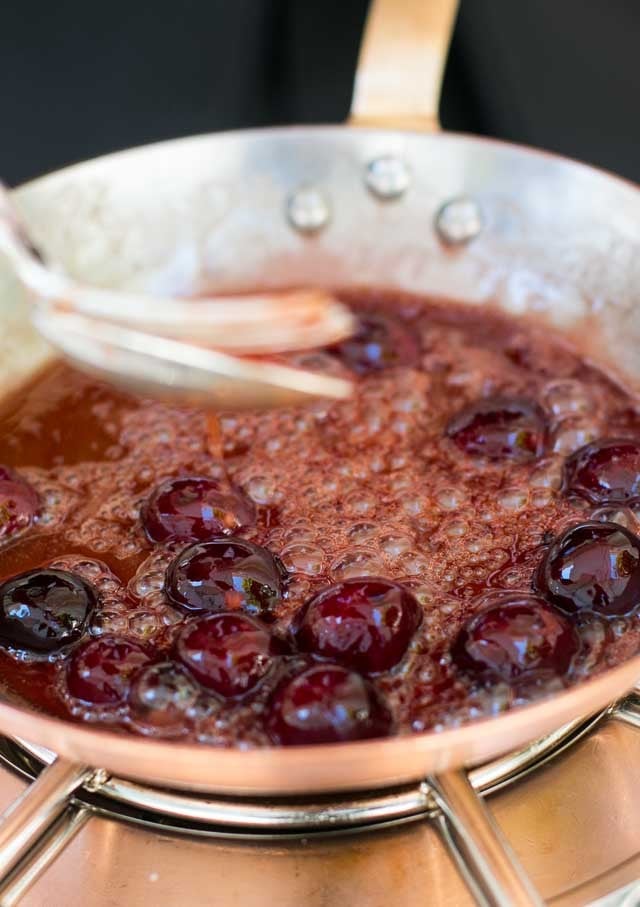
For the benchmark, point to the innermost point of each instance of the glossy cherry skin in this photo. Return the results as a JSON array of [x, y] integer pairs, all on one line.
[[365, 623], [377, 344], [605, 472], [226, 574], [520, 637], [194, 509], [19, 503], [326, 704], [101, 670], [44, 610], [227, 653], [592, 567], [500, 428]]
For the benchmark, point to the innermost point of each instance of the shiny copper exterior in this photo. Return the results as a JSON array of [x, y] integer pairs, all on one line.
[[575, 825]]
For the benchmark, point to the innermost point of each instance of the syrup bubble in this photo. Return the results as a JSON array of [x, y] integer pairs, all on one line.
[[330, 485], [298, 589], [143, 624], [305, 559], [413, 563], [513, 498], [378, 464], [147, 583], [304, 534], [566, 398], [395, 545], [426, 594], [413, 505], [352, 469], [450, 498], [109, 622], [148, 580], [623, 516], [363, 532], [548, 474], [356, 562], [402, 482], [572, 435], [359, 504], [90, 570], [542, 497], [263, 490], [455, 529]]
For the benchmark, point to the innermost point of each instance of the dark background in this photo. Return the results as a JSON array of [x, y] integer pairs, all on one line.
[[79, 79]]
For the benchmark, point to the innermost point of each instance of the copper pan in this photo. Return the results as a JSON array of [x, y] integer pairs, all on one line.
[[542, 236]]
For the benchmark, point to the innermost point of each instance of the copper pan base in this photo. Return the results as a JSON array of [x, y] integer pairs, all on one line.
[[575, 825]]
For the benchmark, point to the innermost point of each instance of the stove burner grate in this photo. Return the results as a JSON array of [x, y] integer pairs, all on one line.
[[259, 818], [62, 797]]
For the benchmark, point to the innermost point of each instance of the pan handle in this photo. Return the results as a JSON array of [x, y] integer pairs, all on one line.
[[401, 64], [38, 818], [486, 861]]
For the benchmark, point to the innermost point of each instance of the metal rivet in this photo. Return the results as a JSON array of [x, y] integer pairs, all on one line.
[[459, 221], [96, 780], [387, 177], [308, 209]]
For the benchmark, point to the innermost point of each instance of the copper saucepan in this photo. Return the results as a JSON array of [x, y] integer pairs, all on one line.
[[386, 200]]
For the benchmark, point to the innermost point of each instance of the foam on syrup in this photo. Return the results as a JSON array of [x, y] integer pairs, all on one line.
[[365, 487]]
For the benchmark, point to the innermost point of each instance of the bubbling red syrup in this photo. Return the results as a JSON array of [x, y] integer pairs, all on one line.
[[459, 536]]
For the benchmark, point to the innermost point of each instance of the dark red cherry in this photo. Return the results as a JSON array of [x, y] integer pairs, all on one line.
[[326, 704], [518, 638], [365, 623], [378, 343], [226, 574], [193, 509], [605, 472], [227, 653], [592, 567], [100, 671], [19, 503], [500, 428], [44, 610]]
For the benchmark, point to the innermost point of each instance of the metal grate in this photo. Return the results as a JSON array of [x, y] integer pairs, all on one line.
[[62, 797]]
